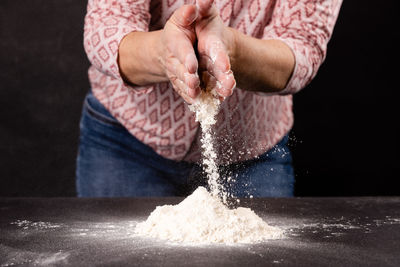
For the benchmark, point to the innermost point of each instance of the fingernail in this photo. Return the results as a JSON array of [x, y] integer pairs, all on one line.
[[190, 63], [234, 86], [186, 77], [229, 72]]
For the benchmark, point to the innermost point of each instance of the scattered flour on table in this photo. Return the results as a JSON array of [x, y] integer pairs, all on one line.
[[203, 219], [25, 224]]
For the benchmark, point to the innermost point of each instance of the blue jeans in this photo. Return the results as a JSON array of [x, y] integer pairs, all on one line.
[[113, 163]]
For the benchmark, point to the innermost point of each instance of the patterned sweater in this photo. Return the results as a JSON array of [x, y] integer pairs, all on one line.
[[248, 123]]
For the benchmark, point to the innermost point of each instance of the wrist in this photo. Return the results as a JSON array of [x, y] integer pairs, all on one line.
[[125, 68], [232, 45], [158, 48], [138, 58]]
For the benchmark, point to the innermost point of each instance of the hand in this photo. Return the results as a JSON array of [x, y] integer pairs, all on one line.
[[178, 56], [215, 44]]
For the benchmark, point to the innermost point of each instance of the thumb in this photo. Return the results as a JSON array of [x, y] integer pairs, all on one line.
[[206, 8], [185, 16]]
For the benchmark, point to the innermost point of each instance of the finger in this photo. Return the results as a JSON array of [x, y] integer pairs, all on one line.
[[179, 71], [206, 7], [179, 45], [181, 88], [183, 36], [177, 76], [219, 63], [184, 16], [190, 60], [225, 83], [193, 82], [211, 83], [225, 80], [221, 69]]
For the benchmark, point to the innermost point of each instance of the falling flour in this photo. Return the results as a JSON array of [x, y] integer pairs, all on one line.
[[206, 108], [202, 218]]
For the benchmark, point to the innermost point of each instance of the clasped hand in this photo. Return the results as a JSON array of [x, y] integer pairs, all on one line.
[[197, 48]]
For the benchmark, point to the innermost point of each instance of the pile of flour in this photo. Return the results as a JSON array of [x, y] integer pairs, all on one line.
[[203, 219]]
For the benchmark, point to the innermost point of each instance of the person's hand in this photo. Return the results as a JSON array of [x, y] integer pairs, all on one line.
[[215, 44], [178, 56]]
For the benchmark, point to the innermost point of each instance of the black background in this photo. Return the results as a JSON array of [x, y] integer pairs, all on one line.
[[345, 140]]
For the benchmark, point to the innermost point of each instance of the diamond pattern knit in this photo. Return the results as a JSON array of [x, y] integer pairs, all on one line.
[[248, 123]]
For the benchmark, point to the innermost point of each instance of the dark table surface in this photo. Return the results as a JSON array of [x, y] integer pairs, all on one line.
[[86, 232]]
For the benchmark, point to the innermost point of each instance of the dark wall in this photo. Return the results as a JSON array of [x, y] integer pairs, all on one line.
[[43, 79], [347, 119], [345, 138]]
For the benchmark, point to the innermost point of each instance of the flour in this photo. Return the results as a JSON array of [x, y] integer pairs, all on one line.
[[202, 218], [206, 108], [25, 224]]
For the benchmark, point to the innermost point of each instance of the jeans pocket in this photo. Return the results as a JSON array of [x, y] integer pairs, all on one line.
[[95, 110]]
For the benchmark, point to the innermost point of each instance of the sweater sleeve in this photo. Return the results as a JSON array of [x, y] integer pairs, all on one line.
[[106, 24], [306, 27]]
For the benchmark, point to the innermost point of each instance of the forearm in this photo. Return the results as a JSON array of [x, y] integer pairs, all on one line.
[[139, 58], [260, 65]]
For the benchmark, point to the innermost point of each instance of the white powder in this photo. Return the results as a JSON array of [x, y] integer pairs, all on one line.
[[203, 219], [25, 224], [206, 108]]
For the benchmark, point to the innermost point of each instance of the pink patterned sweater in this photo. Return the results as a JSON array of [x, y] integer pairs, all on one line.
[[248, 123]]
